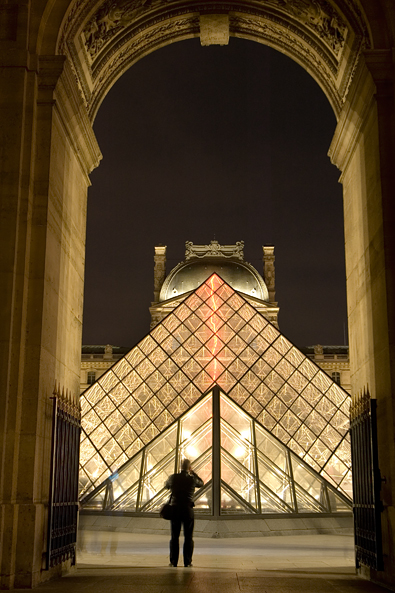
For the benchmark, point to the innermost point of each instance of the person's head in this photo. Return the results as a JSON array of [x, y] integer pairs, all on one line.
[[185, 465]]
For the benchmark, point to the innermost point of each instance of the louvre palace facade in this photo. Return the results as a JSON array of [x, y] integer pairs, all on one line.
[[217, 382]]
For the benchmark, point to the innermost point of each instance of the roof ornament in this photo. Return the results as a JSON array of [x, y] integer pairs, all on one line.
[[214, 249]]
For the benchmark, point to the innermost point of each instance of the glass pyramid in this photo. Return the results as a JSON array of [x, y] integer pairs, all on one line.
[[214, 337], [256, 473]]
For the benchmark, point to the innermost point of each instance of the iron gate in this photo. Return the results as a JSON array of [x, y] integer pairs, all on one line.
[[366, 482], [63, 497]]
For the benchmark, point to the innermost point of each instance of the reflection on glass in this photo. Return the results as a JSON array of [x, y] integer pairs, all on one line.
[[203, 501], [203, 466], [127, 476], [337, 504], [127, 502], [309, 482], [238, 478], [154, 481], [161, 447], [231, 505], [275, 480], [96, 503], [196, 417], [269, 504], [197, 444], [271, 448], [238, 447], [306, 504], [236, 418]]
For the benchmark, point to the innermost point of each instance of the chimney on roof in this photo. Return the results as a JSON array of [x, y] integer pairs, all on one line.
[[269, 271], [159, 270]]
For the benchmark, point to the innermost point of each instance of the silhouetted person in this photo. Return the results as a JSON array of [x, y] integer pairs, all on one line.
[[182, 487]]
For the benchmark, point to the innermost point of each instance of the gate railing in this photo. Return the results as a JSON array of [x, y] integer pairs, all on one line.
[[366, 482], [63, 496]]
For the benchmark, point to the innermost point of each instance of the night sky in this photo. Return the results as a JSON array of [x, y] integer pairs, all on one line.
[[226, 142]]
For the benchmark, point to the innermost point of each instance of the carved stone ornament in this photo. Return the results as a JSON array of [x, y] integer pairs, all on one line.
[[320, 16], [318, 349], [214, 249], [114, 15], [111, 17]]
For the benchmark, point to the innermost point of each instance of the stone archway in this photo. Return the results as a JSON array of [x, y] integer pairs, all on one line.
[[59, 59]]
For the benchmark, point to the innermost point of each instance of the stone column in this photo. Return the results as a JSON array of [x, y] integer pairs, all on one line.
[[269, 271], [48, 151], [363, 149], [159, 270]]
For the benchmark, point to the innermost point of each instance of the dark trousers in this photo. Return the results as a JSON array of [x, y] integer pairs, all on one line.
[[185, 517]]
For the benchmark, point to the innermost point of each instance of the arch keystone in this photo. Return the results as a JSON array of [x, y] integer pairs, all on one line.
[[214, 29]]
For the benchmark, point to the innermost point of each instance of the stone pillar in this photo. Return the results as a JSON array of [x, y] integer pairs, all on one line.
[[269, 271], [159, 270], [48, 151], [363, 149]]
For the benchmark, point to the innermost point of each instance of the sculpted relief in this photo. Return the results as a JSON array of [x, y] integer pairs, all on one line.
[[320, 16], [114, 15], [111, 17]]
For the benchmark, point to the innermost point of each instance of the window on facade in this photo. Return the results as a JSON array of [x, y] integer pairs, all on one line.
[[91, 378], [336, 377]]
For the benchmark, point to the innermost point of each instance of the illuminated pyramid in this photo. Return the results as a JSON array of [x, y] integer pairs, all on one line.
[[215, 338], [245, 469]]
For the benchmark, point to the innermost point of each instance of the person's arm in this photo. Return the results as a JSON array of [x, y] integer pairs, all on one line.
[[169, 482], [198, 481]]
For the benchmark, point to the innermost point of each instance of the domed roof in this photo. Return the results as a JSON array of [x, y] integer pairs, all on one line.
[[189, 274]]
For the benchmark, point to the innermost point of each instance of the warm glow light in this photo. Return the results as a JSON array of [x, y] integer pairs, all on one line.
[[246, 434], [239, 452], [191, 451], [213, 324], [186, 434]]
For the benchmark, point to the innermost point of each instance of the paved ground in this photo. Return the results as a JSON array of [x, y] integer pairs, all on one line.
[[130, 563], [254, 553]]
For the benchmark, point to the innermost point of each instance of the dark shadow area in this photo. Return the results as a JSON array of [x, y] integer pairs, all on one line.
[[228, 142]]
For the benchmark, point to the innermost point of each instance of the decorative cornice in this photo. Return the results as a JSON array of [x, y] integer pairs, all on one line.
[[214, 249]]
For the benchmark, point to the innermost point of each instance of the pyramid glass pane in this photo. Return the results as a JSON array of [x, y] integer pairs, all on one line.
[[276, 481], [231, 504], [203, 501], [256, 473], [153, 481], [215, 337]]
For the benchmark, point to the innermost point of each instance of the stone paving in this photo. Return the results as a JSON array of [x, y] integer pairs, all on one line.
[[138, 563]]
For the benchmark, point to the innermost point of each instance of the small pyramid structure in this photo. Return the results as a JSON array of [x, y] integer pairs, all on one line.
[[215, 337], [245, 469]]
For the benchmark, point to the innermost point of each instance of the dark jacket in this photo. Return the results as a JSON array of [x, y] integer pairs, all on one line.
[[182, 487]]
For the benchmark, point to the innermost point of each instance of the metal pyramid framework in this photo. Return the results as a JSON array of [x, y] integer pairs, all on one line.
[[245, 469], [215, 337]]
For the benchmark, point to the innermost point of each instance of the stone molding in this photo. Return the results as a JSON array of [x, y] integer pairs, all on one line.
[[75, 121], [103, 39], [214, 249], [360, 101]]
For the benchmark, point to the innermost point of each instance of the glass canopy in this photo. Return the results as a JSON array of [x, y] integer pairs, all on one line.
[[215, 337], [256, 473]]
